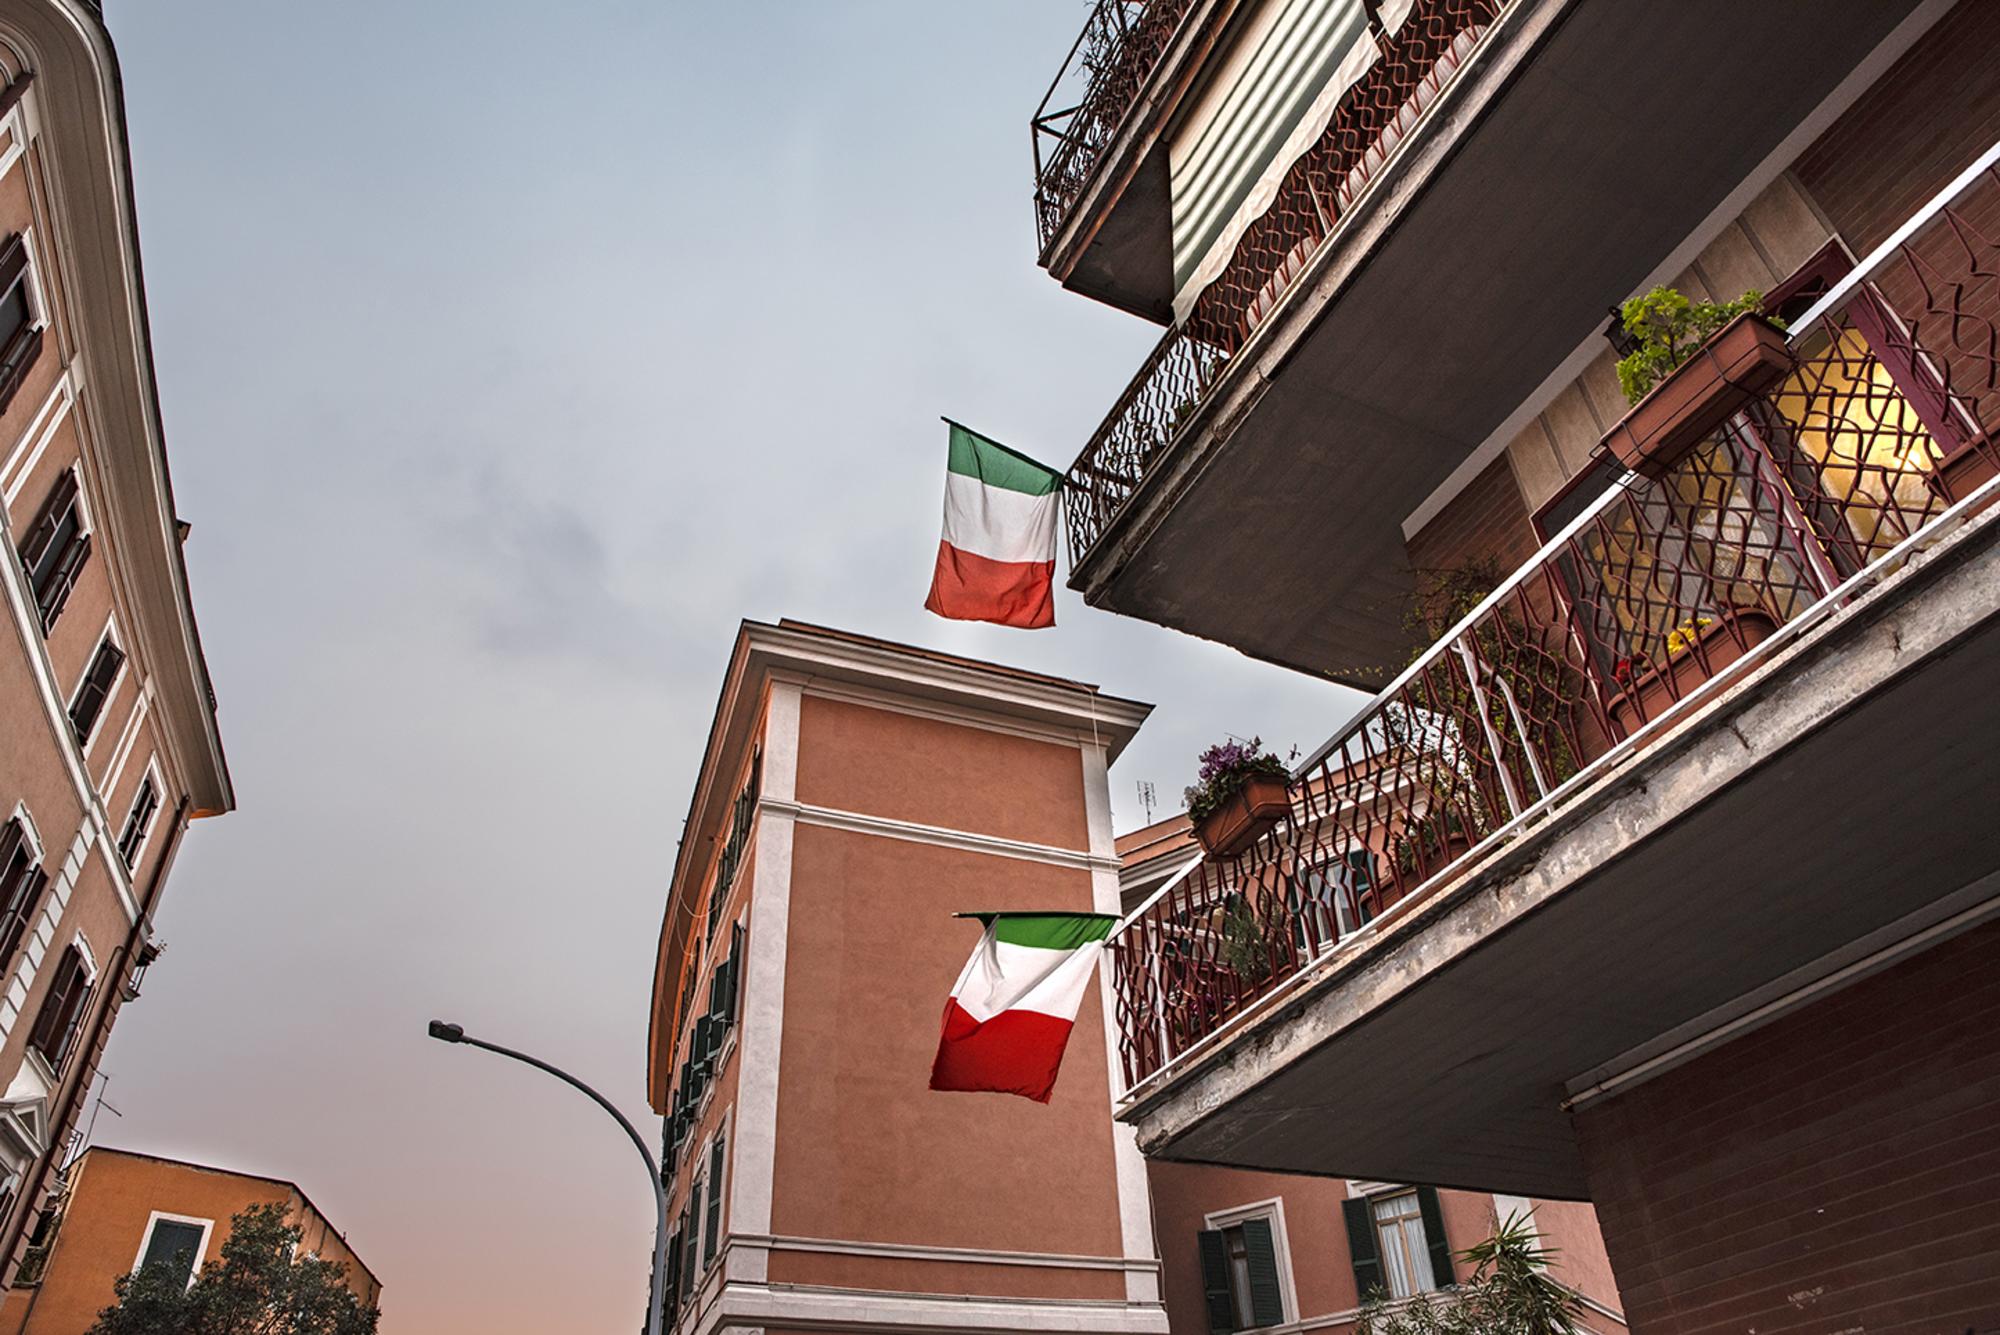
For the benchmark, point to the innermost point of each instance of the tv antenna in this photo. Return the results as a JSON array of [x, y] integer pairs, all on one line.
[[1147, 798]]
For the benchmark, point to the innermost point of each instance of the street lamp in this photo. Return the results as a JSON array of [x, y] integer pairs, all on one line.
[[455, 1033]]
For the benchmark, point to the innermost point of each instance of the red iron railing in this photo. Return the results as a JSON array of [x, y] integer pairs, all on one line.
[[1655, 589], [1417, 61], [1120, 45]]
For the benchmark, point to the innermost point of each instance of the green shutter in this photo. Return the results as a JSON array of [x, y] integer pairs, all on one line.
[[1267, 1299], [671, 1297], [1215, 1282], [1363, 1247], [1427, 1204]]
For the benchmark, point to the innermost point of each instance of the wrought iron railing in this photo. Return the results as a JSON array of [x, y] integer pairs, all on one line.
[[1416, 62], [1656, 596], [1121, 43]]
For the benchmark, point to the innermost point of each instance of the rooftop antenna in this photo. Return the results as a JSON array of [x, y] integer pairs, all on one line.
[[1147, 798]]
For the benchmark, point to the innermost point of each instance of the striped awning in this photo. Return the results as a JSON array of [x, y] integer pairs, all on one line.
[[1273, 95]]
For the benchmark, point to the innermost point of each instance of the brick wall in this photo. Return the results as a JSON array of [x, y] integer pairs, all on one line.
[[1486, 520], [1837, 1170], [1936, 110]]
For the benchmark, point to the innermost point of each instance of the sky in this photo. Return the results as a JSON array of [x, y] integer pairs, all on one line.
[[510, 354]]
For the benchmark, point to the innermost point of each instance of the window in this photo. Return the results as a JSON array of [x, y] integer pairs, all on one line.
[[91, 695], [670, 1298], [1240, 1277], [712, 1231], [21, 883], [691, 1233], [740, 819], [20, 329], [63, 1007], [55, 547], [176, 1242], [1398, 1244], [139, 822]]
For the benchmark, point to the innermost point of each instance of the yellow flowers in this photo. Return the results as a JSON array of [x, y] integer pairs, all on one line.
[[1683, 637]]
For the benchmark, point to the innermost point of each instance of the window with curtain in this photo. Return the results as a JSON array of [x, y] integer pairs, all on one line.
[[1406, 1261]]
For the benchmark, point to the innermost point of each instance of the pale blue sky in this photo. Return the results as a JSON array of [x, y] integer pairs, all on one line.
[[510, 353]]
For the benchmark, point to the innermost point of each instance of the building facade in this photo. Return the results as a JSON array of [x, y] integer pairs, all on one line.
[[121, 1211], [1243, 1250], [855, 795], [108, 739], [1665, 821]]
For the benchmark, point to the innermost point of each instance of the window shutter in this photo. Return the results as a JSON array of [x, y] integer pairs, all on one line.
[[1361, 863], [96, 689], [1215, 1282], [42, 533], [13, 260], [1363, 1247], [22, 896], [713, 1232], [54, 1019], [688, 1259], [53, 597], [1433, 1216], [687, 1252], [671, 1294], [1267, 1299]]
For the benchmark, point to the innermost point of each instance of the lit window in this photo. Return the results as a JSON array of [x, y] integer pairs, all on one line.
[[1406, 1256]]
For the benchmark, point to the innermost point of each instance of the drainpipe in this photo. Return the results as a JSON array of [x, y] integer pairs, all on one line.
[[114, 976]]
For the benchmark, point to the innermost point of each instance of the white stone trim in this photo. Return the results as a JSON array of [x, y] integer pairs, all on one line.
[[33, 442], [940, 712], [761, 1025], [910, 1251], [1135, 1198], [859, 822], [825, 1307], [1272, 1209], [200, 1252], [42, 933]]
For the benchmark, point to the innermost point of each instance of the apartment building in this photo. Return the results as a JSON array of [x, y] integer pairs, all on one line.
[[108, 740], [1241, 1249], [122, 1210], [853, 796], [1656, 872]]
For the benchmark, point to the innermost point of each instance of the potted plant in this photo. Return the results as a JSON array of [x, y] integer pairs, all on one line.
[[1690, 654], [1239, 793], [1697, 364], [1429, 843]]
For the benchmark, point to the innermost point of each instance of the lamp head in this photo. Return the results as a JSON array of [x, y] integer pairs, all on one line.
[[444, 1032]]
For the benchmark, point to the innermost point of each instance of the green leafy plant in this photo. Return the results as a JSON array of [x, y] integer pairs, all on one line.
[[1245, 948], [1670, 329], [261, 1285], [1224, 769], [1511, 1292]]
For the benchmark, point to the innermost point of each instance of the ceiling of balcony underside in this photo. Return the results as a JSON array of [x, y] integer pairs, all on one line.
[[1613, 142], [1457, 1079]]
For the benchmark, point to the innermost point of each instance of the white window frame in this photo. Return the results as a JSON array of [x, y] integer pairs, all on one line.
[[1272, 1210], [152, 773], [116, 641], [1375, 1200], [707, 1165], [29, 832], [146, 1240]]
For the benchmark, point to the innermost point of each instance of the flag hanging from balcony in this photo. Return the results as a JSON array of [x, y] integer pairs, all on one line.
[[997, 561], [1008, 1019]]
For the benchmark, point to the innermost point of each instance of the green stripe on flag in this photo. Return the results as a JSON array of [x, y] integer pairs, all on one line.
[[972, 455], [1050, 931]]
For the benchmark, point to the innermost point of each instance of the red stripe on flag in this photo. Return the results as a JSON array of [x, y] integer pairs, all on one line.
[[1015, 1052], [975, 588]]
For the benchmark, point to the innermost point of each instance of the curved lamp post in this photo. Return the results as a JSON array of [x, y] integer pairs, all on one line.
[[453, 1033]]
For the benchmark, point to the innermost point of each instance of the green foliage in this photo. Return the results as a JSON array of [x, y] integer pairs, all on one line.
[[259, 1286], [1510, 1293], [1245, 948], [1670, 329]]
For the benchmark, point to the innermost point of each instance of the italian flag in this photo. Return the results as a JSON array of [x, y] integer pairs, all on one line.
[[997, 561], [1008, 1019]]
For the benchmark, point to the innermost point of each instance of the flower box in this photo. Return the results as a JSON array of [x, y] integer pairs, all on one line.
[[1743, 359], [1245, 816], [1640, 698]]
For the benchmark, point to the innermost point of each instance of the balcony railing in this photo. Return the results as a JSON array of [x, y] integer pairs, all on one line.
[[1416, 62], [1120, 45], [1651, 600]]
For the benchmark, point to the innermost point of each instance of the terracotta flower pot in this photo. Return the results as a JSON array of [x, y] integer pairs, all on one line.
[[1245, 817], [1743, 359], [1647, 695]]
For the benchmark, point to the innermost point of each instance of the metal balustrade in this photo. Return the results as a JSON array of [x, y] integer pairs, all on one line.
[[1416, 62], [1120, 45], [1649, 602]]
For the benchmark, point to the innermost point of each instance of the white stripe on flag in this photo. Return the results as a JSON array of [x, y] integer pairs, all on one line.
[[1005, 977], [996, 523]]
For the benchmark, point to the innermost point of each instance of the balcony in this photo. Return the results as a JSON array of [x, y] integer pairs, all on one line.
[[1502, 165], [1725, 725]]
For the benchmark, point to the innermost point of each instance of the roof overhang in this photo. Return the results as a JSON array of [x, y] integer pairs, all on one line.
[[78, 100], [1583, 148]]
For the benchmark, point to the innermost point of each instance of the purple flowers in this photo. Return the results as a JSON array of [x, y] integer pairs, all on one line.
[[1224, 767]]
